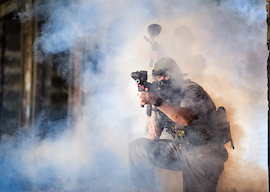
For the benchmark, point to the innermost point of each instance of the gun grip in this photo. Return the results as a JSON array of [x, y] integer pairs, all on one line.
[[149, 110]]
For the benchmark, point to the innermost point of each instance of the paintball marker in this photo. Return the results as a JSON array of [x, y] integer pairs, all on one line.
[[153, 31], [140, 78]]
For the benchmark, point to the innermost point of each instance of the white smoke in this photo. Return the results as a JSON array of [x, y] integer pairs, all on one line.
[[92, 155]]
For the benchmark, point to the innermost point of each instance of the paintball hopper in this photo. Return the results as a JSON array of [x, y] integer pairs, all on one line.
[[154, 30]]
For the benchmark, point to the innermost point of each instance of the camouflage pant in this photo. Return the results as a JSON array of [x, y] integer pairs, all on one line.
[[201, 166]]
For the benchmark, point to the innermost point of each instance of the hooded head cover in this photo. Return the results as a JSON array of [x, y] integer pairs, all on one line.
[[168, 66]]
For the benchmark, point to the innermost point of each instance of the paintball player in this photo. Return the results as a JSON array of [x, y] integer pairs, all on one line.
[[186, 111]]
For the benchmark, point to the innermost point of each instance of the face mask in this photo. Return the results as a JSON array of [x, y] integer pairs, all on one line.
[[165, 89], [163, 84]]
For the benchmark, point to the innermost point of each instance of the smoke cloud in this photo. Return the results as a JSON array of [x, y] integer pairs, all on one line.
[[226, 54]]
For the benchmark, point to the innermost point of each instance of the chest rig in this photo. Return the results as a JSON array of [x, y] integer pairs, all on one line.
[[177, 131], [198, 133]]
